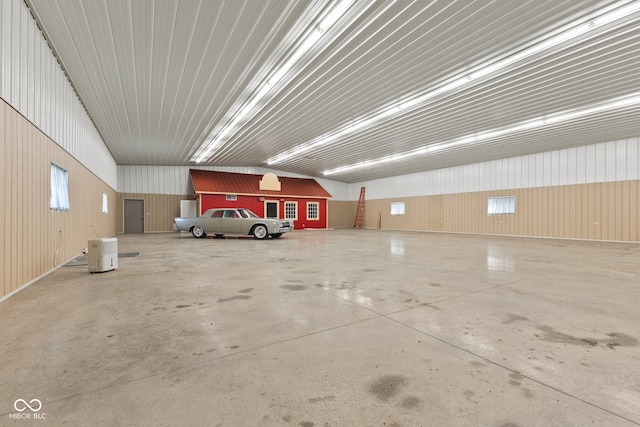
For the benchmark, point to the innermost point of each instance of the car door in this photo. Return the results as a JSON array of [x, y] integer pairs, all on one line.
[[232, 222], [215, 222]]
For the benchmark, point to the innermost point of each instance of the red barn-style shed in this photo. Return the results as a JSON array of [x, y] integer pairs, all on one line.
[[302, 200]]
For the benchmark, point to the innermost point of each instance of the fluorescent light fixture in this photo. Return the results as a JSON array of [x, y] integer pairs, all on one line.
[[220, 133], [565, 34], [550, 119]]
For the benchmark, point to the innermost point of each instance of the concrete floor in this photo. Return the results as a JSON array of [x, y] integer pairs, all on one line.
[[331, 328]]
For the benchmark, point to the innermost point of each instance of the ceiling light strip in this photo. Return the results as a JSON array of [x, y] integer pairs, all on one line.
[[548, 120], [470, 103], [293, 94], [294, 89], [569, 32], [219, 135]]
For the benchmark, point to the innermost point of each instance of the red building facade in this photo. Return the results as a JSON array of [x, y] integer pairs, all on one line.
[[301, 200]]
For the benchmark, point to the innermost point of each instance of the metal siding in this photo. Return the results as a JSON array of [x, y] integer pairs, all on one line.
[[621, 161], [34, 84], [633, 158], [596, 163], [610, 161]]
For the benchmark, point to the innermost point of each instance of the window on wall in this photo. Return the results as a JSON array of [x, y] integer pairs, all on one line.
[[232, 197], [397, 208], [501, 205], [105, 203], [59, 198], [291, 210], [313, 210]]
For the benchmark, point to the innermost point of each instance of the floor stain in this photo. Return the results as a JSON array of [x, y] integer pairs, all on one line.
[[322, 399], [306, 424], [370, 270], [245, 291], [235, 297], [435, 285], [294, 287], [527, 393], [286, 418], [411, 402], [387, 386], [183, 305], [615, 338], [477, 364], [515, 383], [511, 318]]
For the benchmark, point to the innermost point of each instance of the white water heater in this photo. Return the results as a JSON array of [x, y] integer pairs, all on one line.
[[103, 255]]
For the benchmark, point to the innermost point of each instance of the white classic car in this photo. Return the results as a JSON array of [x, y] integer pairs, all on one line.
[[233, 221]]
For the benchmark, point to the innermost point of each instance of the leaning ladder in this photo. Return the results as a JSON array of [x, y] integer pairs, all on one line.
[[359, 210]]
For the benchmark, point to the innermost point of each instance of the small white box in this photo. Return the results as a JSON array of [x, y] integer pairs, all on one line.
[[103, 255]]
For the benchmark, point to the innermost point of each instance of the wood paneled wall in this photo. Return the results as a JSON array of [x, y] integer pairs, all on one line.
[[159, 209], [341, 214], [35, 239], [598, 211]]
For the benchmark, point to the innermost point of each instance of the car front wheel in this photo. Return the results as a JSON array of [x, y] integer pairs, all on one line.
[[260, 232], [198, 232]]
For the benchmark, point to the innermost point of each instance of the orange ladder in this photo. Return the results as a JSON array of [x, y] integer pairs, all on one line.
[[359, 210]]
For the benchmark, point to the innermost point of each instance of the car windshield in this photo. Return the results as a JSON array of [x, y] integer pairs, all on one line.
[[246, 213]]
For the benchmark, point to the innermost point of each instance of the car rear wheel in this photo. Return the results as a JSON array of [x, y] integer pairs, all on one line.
[[198, 232], [260, 232]]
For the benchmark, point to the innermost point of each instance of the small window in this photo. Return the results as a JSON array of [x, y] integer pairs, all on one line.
[[59, 198], [232, 197], [397, 208], [291, 210], [501, 205], [105, 203], [313, 210]]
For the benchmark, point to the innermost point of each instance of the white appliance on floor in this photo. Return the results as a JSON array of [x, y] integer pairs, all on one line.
[[103, 255]]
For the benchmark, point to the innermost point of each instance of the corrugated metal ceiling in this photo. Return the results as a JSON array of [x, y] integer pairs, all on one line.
[[157, 76]]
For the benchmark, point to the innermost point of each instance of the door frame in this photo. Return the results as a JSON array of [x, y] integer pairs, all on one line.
[[124, 203], [277, 202]]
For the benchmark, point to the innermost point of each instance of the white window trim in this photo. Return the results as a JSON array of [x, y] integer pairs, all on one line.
[[295, 218], [231, 197], [317, 210]]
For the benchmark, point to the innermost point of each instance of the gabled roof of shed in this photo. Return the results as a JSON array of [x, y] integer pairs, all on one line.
[[214, 182]]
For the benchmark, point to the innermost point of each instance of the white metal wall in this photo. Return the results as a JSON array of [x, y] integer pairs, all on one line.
[[32, 82], [175, 179], [605, 162]]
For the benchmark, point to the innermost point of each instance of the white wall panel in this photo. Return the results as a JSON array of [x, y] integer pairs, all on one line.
[[600, 163], [35, 85], [620, 163], [605, 162], [633, 158]]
